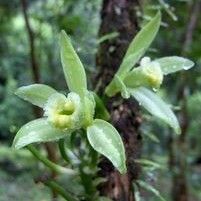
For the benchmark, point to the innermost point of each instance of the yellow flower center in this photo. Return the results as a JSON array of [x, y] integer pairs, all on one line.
[[63, 112], [153, 72]]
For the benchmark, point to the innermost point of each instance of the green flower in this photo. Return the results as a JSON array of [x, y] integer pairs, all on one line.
[[152, 72], [148, 74], [66, 114], [62, 114]]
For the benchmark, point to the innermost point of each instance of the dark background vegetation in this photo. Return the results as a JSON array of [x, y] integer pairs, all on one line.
[[29, 53]]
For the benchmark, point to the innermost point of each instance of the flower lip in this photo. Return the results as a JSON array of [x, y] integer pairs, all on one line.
[[64, 112]]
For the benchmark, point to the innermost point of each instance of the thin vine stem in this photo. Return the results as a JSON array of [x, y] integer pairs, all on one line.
[[62, 150], [61, 191], [48, 163]]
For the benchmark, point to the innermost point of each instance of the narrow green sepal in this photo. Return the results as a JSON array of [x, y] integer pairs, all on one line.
[[73, 69], [37, 131], [37, 94], [173, 64]]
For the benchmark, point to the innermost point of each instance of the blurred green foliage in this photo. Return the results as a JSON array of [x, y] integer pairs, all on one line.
[[81, 19]]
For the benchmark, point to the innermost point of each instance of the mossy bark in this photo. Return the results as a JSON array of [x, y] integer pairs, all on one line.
[[119, 16]]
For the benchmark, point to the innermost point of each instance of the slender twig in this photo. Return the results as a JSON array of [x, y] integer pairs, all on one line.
[[63, 150], [34, 64], [54, 167], [61, 191], [195, 12]]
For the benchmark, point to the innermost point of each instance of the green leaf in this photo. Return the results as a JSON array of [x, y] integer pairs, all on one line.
[[150, 188], [152, 137], [149, 163], [156, 106], [37, 94], [108, 36], [105, 139], [140, 44], [173, 64], [129, 62], [114, 86], [100, 109], [136, 49], [38, 130], [73, 69]]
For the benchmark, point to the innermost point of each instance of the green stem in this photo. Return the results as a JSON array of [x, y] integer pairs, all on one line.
[[57, 188], [87, 182], [62, 150], [94, 158], [87, 177], [48, 163]]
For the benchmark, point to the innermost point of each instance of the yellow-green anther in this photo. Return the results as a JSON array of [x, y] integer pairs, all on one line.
[[69, 107], [63, 121]]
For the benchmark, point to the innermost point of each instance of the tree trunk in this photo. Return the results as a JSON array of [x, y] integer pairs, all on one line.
[[119, 16]]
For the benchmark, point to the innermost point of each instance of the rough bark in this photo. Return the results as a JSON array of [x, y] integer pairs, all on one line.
[[119, 16]]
